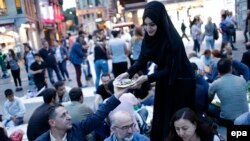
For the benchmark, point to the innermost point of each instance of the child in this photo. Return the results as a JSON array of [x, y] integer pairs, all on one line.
[[14, 110]]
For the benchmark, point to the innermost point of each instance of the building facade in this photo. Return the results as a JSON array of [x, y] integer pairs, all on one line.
[[18, 24], [51, 18], [241, 7], [92, 12]]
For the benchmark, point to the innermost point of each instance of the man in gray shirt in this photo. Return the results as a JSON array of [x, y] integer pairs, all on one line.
[[231, 90]]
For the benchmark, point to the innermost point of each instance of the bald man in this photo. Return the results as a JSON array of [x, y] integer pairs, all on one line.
[[122, 126]]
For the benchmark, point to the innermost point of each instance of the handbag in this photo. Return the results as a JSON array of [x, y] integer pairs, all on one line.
[[216, 33]]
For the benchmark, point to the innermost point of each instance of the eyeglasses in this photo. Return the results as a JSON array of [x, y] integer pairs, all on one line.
[[127, 127]]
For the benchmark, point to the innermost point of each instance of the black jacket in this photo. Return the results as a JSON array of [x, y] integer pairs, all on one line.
[[38, 123]]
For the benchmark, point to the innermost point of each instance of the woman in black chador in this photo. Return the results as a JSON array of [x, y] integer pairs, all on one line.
[[174, 77]]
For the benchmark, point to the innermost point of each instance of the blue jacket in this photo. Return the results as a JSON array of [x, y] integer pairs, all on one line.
[[76, 54], [79, 130], [136, 137]]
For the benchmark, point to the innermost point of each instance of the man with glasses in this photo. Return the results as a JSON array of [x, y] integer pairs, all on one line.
[[122, 126]]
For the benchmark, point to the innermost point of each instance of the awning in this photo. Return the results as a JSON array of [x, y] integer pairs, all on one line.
[[120, 25], [6, 21], [134, 6]]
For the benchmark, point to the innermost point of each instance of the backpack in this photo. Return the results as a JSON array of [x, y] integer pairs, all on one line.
[[230, 30], [215, 33]]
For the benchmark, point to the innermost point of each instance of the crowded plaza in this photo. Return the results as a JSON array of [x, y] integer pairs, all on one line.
[[161, 73]]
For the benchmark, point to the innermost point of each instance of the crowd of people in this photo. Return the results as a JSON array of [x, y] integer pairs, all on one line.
[[181, 87]]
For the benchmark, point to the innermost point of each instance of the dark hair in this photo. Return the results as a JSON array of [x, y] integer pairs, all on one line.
[[194, 66], [48, 94], [224, 16], [8, 92], [202, 130], [69, 34], [27, 45], [115, 33], [52, 110], [58, 84], [216, 53], [12, 53], [75, 94], [224, 65], [207, 51], [90, 37], [80, 32], [105, 74]]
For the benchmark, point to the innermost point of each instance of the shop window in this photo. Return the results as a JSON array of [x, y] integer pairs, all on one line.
[[3, 8], [18, 6]]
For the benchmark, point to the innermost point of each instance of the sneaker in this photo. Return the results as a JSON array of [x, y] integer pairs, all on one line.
[[69, 79], [234, 49]]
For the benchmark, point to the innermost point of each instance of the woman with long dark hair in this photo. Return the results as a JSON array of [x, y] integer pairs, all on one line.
[[186, 126], [15, 69], [174, 77]]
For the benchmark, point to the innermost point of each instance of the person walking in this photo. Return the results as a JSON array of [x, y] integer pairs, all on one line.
[[209, 33], [183, 30]]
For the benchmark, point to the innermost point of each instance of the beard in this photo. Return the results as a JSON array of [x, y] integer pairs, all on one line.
[[130, 138]]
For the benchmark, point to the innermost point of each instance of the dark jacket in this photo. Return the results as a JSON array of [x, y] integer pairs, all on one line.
[[76, 54], [79, 131], [246, 58], [48, 57], [38, 123]]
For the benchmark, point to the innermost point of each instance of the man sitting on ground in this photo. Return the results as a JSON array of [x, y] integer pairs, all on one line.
[[14, 110], [77, 109], [123, 126], [62, 94], [38, 122], [231, 90], [61, 127]]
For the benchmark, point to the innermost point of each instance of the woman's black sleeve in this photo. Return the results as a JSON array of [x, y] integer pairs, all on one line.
[[138, 65], [158, 75]]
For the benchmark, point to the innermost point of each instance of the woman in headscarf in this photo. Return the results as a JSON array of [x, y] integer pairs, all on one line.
[[174, 77]]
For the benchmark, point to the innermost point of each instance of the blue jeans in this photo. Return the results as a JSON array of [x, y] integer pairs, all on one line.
[[100, 65], [210, 42], [11, 123], [149, 101], [196, 46], [63, 68], [50, 73]]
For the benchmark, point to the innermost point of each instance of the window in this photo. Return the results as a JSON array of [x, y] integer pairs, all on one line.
[[18, 6], [3, 8]]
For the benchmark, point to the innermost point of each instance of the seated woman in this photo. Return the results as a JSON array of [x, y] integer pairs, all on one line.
[[185, 126]]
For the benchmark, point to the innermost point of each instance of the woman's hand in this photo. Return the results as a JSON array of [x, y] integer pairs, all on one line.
[[140, 81], [122, 76]]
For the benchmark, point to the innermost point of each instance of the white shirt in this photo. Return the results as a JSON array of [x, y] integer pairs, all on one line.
[[58, 54], [14, 108], [53, 139]]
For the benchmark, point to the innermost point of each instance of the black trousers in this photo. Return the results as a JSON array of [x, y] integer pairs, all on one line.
[[78, 74], [16, 77], [119, 68]]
